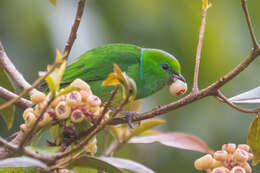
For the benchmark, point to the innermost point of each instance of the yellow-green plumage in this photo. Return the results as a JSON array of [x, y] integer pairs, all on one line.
[[144, 66]]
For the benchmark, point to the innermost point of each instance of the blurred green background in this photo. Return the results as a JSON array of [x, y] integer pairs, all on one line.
[[32, 30]]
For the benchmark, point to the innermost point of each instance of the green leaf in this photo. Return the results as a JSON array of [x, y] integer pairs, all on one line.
[[253, 139], [18, 170], [51, 84], [94, 163], [174, 139], [44, 149], [110, 164], [54, 2], [7, 113], [84, 170], [67, 90], [56, 132], [53, 80], [22, 162]]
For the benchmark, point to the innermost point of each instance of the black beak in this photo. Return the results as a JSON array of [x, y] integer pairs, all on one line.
[[177, 76]]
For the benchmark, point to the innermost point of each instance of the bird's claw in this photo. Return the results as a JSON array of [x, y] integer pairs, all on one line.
[[128, 117]]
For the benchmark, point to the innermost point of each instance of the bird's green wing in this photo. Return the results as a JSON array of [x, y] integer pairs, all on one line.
[[95, 65]]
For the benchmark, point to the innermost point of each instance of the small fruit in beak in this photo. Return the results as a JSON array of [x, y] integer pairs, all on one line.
[[178, 88]]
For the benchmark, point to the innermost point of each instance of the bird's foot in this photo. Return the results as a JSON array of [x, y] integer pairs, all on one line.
[[128, 117]]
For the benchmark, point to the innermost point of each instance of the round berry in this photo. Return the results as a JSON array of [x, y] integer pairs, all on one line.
[[178, 88]]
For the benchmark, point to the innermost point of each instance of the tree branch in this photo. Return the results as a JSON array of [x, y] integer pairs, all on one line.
[[221, 96], [8, 95], [13, 72], [34, 85], [199, 48], [250, 26], [74, 29]]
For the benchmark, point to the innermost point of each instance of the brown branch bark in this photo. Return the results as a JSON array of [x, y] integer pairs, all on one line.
[[199, 49], [7, 95], [225, 100], [13, 72], [250, 26], [74, 29]]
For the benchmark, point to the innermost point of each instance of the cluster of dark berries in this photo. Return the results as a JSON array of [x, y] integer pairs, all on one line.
[[230, 159]]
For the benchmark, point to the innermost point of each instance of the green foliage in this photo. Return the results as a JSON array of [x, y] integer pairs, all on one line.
[[110, 164], [253, 139], [7, 113], [18, 170]]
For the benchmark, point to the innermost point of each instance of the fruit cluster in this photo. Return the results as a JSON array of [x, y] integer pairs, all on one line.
[[230, 159], [77, 105]]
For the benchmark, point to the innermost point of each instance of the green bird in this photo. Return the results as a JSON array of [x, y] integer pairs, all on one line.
[[151, 69]]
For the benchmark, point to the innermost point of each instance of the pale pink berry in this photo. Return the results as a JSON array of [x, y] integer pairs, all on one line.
[[221, 155], [26, 111], [78, 83], [220, 170], [240, 155], [46, 119], [38, 97], [30, 119], [247, 167], [57, 100], [84, 95], [216, 163], [94, 100], [62, 110], [73, 98], [238, 169], [244, 147], [178, 88], [250, 156], [77, 116], [230, 147], [204, 162]]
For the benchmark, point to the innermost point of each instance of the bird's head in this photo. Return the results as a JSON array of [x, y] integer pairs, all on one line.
[[169, 67]]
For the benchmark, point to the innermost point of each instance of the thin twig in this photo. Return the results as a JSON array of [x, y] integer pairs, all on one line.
[[15, 149], [8, 95], [74, 29], [34, 85], [31, 130], [13, 72], [9, 145], [199, 49], [108, 103], [221, 96], [250, 26]]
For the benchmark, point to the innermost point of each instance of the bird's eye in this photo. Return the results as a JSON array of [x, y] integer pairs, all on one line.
[[165, 66]]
